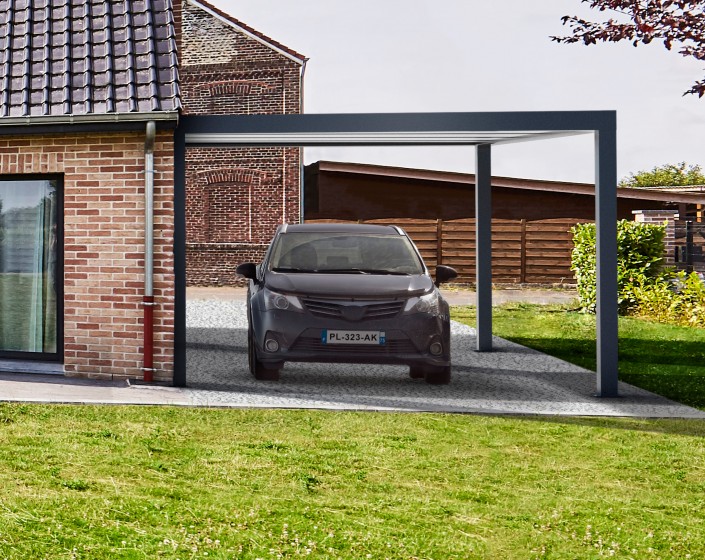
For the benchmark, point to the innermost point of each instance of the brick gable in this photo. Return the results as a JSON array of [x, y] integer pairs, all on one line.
[[226, 68]]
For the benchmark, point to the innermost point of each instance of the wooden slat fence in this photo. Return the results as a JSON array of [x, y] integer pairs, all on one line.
[[523, 252]]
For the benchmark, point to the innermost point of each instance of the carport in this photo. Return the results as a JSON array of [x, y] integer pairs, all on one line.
[[481, 130]]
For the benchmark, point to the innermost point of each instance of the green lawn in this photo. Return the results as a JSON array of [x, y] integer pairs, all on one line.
[[143, 482], [665, 359]]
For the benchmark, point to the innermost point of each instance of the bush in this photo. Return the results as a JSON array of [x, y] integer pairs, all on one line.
[[645, 288], [680, 301], [640, 250]]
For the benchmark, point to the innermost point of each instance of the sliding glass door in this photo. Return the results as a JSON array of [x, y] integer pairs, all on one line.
[[30, 268]]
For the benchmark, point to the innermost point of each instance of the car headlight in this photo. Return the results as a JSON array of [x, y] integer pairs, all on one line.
[[423, 304], [283, 302]]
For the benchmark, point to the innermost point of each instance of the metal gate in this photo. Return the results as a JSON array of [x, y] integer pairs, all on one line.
[[690, 246]]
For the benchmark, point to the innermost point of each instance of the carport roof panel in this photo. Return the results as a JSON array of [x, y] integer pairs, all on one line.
[[390, 129]]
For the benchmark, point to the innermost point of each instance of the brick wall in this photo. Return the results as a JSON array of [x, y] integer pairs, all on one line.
[[234, 197], [103, 177], [661, 217]]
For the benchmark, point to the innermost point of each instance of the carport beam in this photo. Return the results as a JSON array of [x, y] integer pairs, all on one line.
[[483, 245]]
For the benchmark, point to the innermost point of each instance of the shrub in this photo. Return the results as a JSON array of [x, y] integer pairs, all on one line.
[[680, 301], [640, 250]]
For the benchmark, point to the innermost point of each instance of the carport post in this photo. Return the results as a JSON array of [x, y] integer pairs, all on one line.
[[606, 249], [483, 245], [179, 258]]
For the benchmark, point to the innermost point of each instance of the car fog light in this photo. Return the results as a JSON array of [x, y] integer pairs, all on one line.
[[436, 348], [280, 302], [271, 345]]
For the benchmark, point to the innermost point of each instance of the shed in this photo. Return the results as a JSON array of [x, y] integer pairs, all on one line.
[[531, 219]]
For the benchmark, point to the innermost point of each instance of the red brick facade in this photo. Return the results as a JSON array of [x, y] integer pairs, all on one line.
[[235, 197], [103, 194]]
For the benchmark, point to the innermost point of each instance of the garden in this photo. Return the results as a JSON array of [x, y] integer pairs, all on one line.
[[165, 482], [99, 482]]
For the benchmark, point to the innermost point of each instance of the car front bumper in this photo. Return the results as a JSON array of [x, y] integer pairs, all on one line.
[[298, 336]]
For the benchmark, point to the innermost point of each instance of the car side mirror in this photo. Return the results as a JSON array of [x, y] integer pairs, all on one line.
[[248, 270], [444, 274]]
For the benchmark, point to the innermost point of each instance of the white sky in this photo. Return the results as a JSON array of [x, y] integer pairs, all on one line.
[[371, 56]]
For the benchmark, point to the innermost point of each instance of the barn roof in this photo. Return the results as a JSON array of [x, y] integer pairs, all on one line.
[[87, 58], [506, 182]]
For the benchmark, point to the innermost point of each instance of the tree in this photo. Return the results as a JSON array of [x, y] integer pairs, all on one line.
[[666, 176], [679, 23]]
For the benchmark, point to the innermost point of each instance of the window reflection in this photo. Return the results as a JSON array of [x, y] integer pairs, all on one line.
[[28, 266]]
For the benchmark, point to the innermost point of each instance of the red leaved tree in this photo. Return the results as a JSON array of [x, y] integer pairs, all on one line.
[[678, 23]]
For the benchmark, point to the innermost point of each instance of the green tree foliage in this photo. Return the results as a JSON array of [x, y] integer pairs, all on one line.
[[667, 175]]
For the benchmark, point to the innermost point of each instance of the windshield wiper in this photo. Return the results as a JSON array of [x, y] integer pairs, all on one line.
[[361, 271], [300, 270]]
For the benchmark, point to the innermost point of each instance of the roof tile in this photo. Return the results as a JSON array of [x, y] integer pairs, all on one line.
[[73, 57]]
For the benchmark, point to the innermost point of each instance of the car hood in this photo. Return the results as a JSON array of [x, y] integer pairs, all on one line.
[[349, 285]]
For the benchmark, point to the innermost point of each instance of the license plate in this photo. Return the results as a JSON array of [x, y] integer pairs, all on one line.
[[373, 338]]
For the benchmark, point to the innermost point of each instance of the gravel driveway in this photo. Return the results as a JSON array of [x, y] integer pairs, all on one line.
[[511, 379]]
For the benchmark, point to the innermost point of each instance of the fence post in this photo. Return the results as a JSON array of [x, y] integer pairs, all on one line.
[[522, 272], [439, 241], [689, 247]]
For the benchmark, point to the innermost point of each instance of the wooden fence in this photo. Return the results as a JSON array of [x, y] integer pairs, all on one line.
[[523, 252]]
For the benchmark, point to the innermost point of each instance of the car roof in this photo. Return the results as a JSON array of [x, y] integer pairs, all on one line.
[[342, 228]]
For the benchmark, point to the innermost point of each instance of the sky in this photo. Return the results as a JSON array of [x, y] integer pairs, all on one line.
[[378, 56]]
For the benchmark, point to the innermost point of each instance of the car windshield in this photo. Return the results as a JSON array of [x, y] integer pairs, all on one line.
[[344, 253]]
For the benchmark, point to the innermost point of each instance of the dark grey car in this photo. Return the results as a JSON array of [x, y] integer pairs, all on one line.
[[346, 293]]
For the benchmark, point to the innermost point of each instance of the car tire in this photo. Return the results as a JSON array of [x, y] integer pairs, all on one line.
[[257, 369], [437, 375], [416, 372]]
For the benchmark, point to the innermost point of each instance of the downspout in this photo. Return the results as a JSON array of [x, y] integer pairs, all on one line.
[[301, 149], [148, 299]]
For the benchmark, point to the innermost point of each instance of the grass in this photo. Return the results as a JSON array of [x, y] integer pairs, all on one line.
[[664, 359], [144, 482]]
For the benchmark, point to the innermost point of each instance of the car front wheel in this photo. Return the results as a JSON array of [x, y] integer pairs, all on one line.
[[437, 375], [257, 369]]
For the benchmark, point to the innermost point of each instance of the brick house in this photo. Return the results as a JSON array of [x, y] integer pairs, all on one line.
[[91, 95], [235, 197]]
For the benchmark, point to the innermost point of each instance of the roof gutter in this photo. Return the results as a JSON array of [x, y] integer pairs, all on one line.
[[106, 118]]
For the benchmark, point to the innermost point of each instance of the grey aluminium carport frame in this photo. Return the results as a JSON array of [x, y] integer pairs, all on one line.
[[482, 130]]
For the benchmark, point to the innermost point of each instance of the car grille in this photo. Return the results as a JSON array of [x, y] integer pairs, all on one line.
[[311, 344], [353, 311]]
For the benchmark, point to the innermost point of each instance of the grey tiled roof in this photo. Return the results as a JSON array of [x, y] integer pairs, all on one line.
[[87, 57]]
